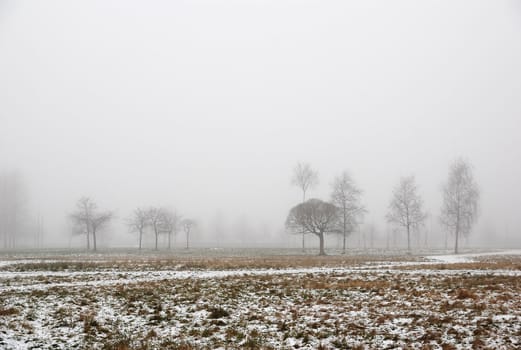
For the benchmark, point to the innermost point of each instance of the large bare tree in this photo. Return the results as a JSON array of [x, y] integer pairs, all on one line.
[[346, 196], [305, 178], [138, 222], [461, 195], [314, 216], [88, 220], [405, 209]]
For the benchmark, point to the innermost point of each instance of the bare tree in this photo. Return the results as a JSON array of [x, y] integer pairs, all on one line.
[[405, 209], [82, 217], [461, 195], [39, 231], [138, 223], [305, 178], [219, 225], [155, 218], [12, 207], [346, 196], [98, 222], [170, 224], [88, 220], [316, 217], [188, 225]]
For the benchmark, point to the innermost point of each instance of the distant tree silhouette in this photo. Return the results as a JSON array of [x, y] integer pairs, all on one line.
[[304, 177], [461, 195], [405, 209], [346, 196], [155, 218], [88, 220], [137, 223], [170, 224], [188, 225]]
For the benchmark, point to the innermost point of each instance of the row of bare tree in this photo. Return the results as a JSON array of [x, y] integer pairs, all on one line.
[[160, 221], [459, 210], [88, 220], [343, 213]]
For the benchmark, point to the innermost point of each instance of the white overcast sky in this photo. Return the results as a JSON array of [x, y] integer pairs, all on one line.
[[208, 105]]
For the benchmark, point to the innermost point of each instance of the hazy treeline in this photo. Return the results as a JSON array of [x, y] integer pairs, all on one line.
[[343, 213], [170, 106], [89, 220]]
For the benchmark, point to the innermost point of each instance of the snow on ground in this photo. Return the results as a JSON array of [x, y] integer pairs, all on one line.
[[371, 304], [469, 257]]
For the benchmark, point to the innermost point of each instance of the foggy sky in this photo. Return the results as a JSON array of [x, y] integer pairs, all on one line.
[[207, 106]]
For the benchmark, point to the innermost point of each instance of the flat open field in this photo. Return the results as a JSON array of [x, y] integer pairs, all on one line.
[[259, 300]]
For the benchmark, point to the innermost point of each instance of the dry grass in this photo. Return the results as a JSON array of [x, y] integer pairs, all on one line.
[[9, 311], [161, 262], [353, 309]]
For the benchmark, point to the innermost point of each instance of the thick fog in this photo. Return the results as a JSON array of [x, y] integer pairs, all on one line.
[[207, 106]]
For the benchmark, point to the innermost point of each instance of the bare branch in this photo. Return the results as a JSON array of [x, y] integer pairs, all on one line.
[[304, 177]]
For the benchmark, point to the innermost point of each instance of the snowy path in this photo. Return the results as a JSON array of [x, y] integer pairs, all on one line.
[[470, 257], [27, 281]]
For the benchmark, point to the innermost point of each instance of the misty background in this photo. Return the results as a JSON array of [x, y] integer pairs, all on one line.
[[207, 106]]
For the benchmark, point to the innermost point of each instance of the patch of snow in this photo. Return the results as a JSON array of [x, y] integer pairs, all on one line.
[[469, 257]]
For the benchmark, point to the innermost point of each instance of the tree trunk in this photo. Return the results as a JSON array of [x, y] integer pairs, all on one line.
[[409, 238], [140, 238], [169, 240], [88, 226], [345, 230], [456, 245], [13, 236], [187, 239], [94, 239], [457, 233], [321, 238], [303, 233]]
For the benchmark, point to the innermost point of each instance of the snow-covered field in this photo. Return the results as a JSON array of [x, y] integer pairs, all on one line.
[[260, 301]]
